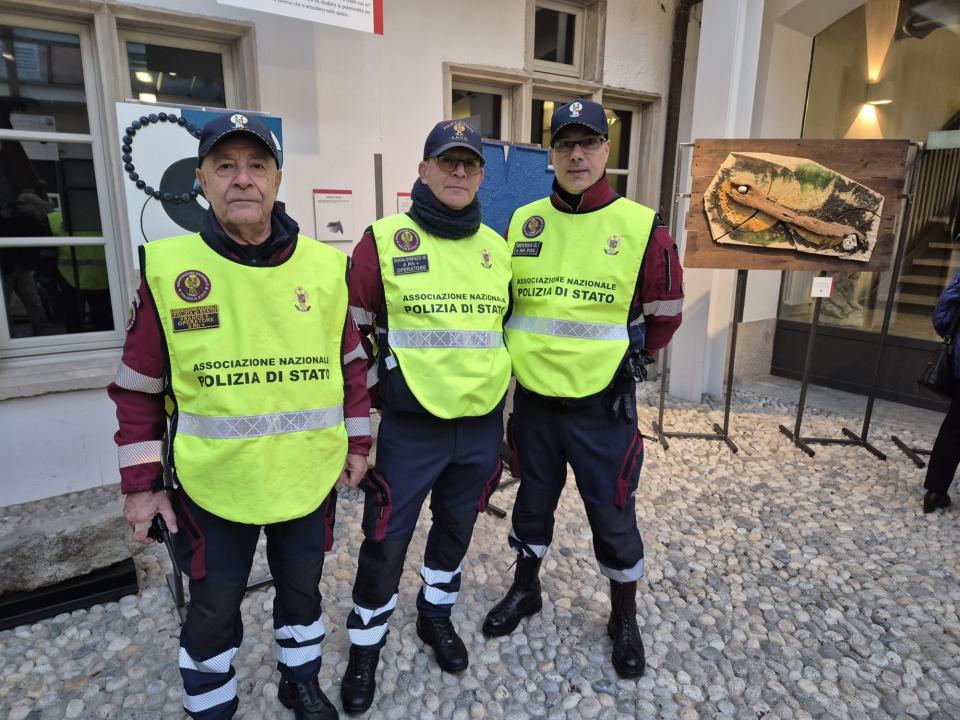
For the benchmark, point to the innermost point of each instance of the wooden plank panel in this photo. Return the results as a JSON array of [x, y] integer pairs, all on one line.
[[878, 164]]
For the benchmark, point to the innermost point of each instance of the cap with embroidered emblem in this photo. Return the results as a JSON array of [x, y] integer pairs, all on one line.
[[233, 125], [448, 134], [579, 112]]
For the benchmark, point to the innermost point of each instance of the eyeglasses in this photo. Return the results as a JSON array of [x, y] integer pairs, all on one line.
[[588, 144], [471, 165]]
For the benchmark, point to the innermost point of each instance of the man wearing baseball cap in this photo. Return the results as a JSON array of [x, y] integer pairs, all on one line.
[[432, 286], [244, 330], [596, 284]]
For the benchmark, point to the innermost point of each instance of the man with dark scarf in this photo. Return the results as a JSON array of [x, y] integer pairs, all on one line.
[[432, 286]]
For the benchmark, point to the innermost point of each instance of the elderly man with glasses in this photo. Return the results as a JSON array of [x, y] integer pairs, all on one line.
[[596, 286], [432, 287]]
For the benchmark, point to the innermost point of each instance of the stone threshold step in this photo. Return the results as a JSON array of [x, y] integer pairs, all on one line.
[[101, 586]]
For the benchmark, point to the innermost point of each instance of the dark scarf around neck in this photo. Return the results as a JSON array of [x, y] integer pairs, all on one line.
[[437, 219]]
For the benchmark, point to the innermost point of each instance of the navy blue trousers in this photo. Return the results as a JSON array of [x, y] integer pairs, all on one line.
[[605, 453], [217, 556], [458, 463]]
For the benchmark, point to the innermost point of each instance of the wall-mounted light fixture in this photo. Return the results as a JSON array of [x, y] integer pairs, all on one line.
[[880, 93]]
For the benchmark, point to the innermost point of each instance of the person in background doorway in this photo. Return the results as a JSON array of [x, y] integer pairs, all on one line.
[[945, 456]]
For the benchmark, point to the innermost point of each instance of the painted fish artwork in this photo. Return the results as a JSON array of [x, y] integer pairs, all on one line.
[[791, 203]]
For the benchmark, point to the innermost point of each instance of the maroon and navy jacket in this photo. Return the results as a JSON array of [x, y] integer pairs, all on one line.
[[138, 390]]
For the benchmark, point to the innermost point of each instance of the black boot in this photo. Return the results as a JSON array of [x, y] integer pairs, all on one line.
[[359, 683], [933, 500], [448, 648], [522, 599], [628, 659], [307, 700]]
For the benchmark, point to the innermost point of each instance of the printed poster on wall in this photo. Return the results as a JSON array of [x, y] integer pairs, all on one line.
[[161, 157], [363, 15], [333, 216]]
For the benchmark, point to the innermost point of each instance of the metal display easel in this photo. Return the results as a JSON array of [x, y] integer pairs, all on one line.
[[853, 438], [911, 452], [720, 432]]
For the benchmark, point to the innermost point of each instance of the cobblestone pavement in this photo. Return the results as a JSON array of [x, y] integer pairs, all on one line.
[[778, 586]]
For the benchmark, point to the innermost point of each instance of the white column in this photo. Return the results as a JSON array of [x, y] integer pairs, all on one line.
[[730, 38]]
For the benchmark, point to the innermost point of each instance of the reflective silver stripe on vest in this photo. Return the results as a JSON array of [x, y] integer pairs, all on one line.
[[568, 328], [247, 426], [445, 338]]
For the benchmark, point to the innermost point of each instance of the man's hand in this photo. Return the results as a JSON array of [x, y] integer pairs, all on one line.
[[353, 471], [139, 509]]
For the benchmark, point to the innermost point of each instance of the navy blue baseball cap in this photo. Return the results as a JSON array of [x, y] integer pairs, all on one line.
[[448, 134], [579, 112], [231, 126]]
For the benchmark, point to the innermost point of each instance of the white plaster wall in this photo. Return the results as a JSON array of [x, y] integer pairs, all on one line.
[[637, 51], [55, 444]]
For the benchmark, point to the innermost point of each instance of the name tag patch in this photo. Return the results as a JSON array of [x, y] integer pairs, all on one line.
[[200, 317], [411, 264], [527, 249]]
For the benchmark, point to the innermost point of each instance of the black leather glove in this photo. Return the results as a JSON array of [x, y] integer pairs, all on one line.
[[637, 362], [623, 406]]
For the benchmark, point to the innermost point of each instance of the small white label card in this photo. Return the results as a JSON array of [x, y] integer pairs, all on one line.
[[822, 287]]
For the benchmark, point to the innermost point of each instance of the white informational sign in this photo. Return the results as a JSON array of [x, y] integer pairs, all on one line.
[[363, 15], [333, 215], [822, 287], [163, 158], [404, 202]]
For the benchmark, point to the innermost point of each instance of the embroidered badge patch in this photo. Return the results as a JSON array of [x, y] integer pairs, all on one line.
[[192, 286], [410, 265], [527, 249], [613, 245], [533, 226], [200, 317], [302, 297], [406, 239], [485, 259]]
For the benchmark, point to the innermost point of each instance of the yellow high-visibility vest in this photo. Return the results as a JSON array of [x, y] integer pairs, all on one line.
[[255, 369], [574, 277], [446, 300]]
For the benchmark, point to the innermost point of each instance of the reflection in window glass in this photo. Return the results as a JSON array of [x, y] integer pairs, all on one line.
[[47, 189], [618, 123], [553, 36], [480, 109], [176, 76], [55, 290], [41, 81], [540, 121]]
